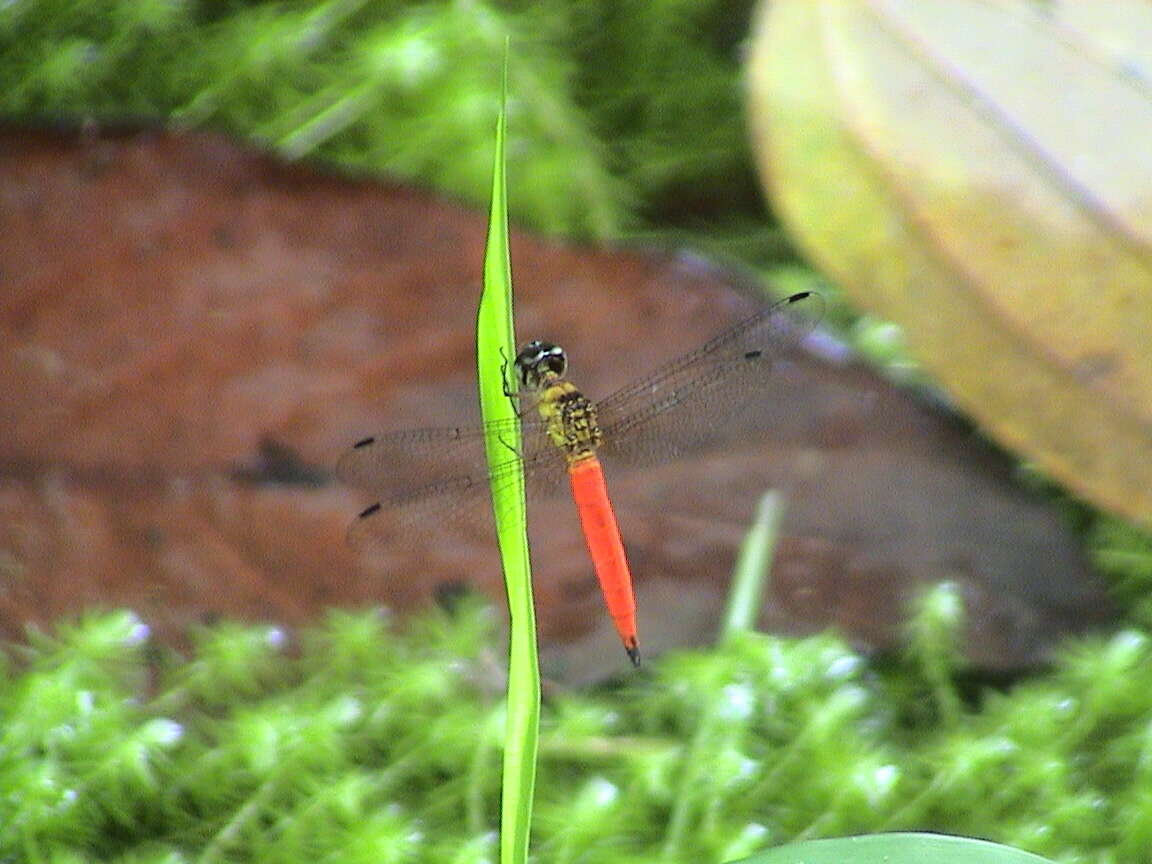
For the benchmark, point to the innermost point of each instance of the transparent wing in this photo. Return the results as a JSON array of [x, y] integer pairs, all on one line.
[[395, 466], [691, 401], [439, 475]]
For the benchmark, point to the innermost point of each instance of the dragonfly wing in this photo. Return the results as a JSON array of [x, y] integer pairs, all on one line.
[[396, 466], [691, 402], [438, 478]]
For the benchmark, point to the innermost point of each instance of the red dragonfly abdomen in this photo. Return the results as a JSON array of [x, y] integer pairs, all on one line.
[[606, 548]]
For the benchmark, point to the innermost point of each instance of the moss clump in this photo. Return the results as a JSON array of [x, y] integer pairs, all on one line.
[[618, 108], [362, 742]]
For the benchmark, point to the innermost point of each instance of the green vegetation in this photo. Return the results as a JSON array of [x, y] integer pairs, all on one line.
[[495, 344], [896, 849], [620, 110], [362, 743]]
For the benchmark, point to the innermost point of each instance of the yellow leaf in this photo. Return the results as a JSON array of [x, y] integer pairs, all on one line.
[[981, 173]]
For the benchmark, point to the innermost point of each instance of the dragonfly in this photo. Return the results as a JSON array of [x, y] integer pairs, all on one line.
[[422, 477]]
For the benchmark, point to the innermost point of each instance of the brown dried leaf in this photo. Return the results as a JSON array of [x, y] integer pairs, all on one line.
[[173, 304]]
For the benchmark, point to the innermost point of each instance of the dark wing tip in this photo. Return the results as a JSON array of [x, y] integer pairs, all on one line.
[[364, 442], [633, 650], [368, 511], [798, 296]]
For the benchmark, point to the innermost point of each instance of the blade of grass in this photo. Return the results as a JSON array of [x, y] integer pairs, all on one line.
[[748, 580], [753, 567], [495, 348]]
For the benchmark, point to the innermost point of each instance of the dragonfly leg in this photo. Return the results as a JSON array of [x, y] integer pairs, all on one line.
[[509, 447], [504, 374], [513, 395]]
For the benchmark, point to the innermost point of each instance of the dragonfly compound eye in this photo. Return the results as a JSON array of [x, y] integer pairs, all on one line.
[[539, 362]]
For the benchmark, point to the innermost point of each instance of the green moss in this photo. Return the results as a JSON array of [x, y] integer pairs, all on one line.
[[362, 742], [620, 110]]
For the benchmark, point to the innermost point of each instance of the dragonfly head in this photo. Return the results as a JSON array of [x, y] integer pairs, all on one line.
[[539, 363]]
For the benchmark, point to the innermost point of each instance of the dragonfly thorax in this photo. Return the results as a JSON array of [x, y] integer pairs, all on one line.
[[539, 364]]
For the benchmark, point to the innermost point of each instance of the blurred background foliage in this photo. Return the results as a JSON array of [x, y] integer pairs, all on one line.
[[623, 114]]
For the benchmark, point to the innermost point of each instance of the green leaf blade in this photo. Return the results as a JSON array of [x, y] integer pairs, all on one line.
[[495, 347], [896, 849]]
